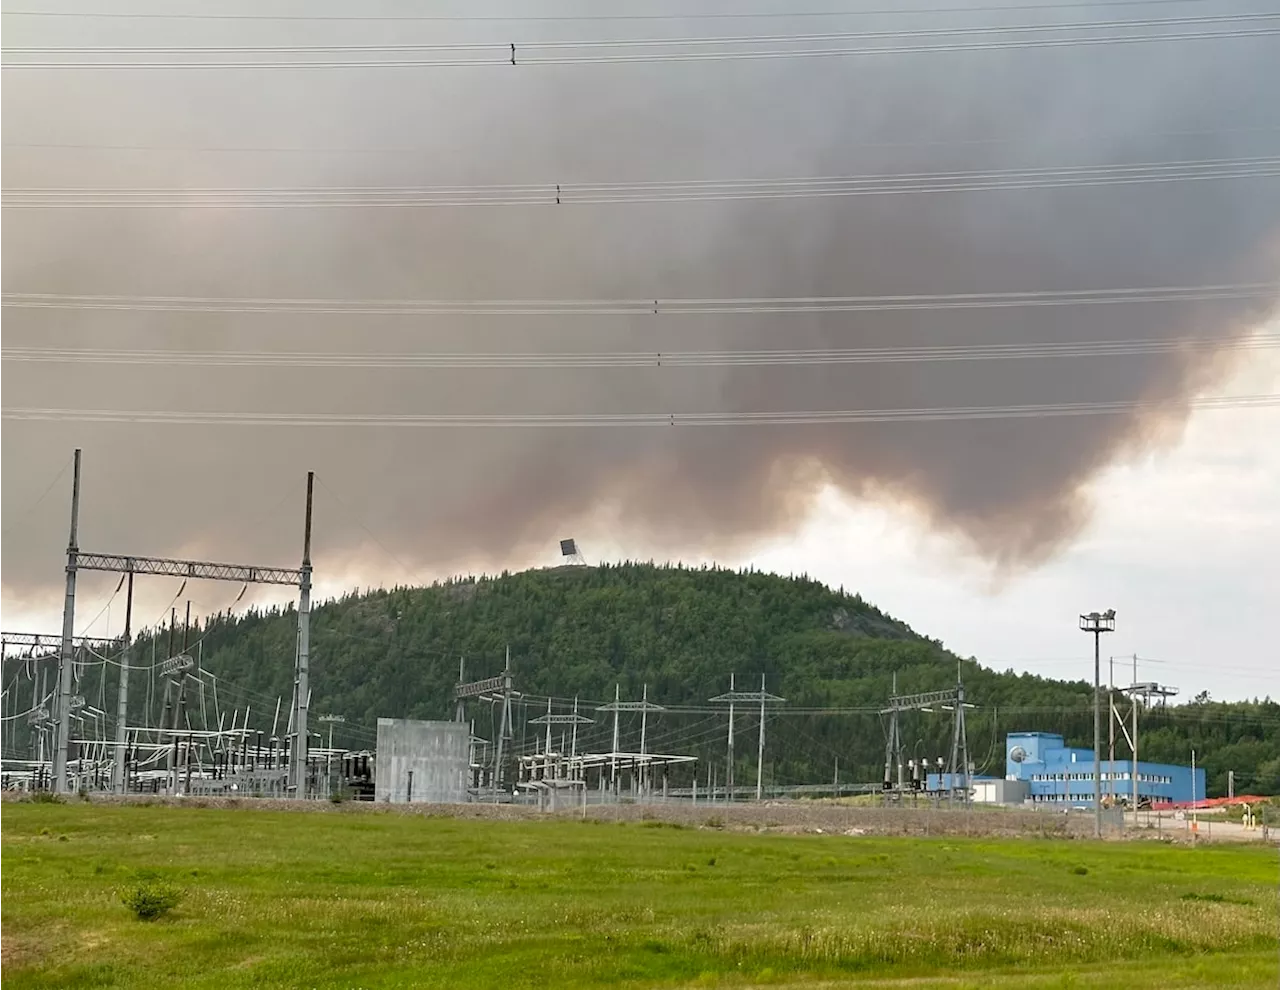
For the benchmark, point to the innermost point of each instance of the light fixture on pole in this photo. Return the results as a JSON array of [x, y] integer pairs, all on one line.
[[1098, 623]]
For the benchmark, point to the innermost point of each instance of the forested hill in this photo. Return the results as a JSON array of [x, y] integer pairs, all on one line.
[[576, 631]]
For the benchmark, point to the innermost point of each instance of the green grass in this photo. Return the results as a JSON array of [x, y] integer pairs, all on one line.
[[349, 898]]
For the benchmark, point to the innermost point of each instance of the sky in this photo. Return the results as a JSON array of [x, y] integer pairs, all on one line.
[[209, 187]]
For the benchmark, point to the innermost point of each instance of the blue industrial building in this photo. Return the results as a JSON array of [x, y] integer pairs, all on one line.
[[1063, 775]]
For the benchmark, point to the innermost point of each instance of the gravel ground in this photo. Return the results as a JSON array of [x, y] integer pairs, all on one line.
[[795, 817]]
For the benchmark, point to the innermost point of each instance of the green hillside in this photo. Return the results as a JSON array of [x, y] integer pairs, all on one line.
[[576, 631]]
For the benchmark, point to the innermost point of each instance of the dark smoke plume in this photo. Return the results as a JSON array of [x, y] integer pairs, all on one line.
[[1012, 488]]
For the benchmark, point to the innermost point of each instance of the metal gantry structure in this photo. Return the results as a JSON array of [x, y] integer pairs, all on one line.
[[494, 690], [958, 776], [38, 651], [1140, 693], [733, 698], [130, 565], [548, 769]]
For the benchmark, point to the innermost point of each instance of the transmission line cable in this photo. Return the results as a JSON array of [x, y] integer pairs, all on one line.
[[648, 307], [681, 16], [663, 191], [560, 420], [20, 517], [423, 150], [508, 54], [647, 359], [768, 39]]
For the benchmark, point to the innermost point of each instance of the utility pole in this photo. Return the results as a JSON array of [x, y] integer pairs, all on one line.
[[1194, 820], [504, 724], [893, 748], [1097, 623], [613, 750], [1111, 728], [728, 777], [61, 754], [303, 680], [959, 744], [1134, 768], [119, 779], [760, 748]]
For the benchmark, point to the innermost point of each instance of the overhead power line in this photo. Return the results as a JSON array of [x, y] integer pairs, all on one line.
[[558, 420], [646, 307], [627, 43], [641, 359], [678, 191], [681, 16], [512, 54], [424, 150]]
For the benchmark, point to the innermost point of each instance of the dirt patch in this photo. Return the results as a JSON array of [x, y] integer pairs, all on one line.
[[24, 950]]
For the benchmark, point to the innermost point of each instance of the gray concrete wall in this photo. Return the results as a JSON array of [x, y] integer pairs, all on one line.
[[421, 761], [1001, 791]]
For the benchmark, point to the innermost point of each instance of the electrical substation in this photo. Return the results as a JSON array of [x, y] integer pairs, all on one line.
[[65, 731], [193, 747]]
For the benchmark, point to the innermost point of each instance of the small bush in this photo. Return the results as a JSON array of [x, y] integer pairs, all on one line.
[[46, 797], [1080, 871], [151, 898], [1214, 898], [711, 861], [715, 821], [337, 797]]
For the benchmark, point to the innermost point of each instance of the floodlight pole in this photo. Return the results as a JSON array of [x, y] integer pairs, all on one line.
[[1098, 623], [60, 754]]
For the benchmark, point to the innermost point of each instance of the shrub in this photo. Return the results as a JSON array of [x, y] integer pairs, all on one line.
[[336, 796], [715, 821], [46, 797], [151, 898], [1080, 871]]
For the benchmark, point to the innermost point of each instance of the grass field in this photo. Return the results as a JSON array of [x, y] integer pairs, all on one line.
[[353, 898]]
